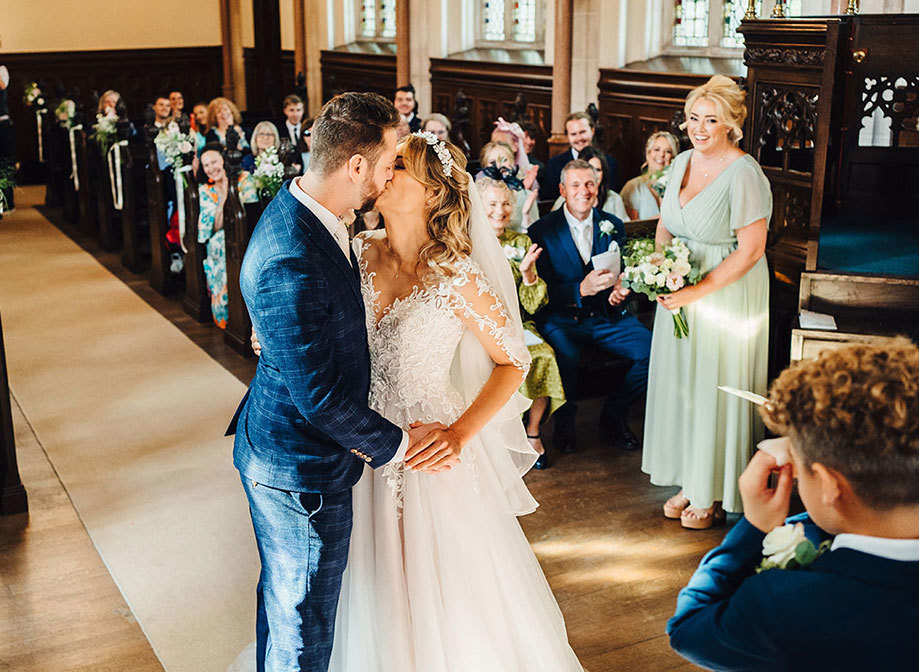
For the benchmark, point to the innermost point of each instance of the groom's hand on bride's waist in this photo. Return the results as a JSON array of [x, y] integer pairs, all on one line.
[[432, 447]]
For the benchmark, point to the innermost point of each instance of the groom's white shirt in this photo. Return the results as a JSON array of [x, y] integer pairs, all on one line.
[[340, 234]]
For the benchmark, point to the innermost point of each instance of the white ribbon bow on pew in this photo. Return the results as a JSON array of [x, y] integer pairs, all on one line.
[[38, 122], [180, 202], [114, 173], [74, 171]]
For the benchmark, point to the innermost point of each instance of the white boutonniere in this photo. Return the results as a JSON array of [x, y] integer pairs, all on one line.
[[607, 229], [787, 547], [514, 253]]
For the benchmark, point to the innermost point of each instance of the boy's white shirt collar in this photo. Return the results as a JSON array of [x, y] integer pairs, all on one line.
[[904, 550]]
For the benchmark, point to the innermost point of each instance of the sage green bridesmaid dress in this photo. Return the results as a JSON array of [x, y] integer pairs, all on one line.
[[696, 436]]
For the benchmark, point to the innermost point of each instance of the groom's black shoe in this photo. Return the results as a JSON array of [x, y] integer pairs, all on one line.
[[621, 434]]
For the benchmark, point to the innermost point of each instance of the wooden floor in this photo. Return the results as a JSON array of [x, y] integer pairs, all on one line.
[[614, 563]]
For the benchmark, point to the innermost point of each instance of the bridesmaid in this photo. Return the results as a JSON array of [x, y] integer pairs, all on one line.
[[719, 202], [640, 200]]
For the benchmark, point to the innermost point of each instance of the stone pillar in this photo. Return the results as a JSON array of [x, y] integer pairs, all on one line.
[[561, 76], [12, 495], [403, 43]]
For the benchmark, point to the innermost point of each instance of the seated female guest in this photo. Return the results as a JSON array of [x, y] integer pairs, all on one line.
[[222, 115], [212, 194], [110, 103], [264, 135], [607, 199], [718, 201], [543, 383], [499, 163], [641, 201], [439, 125], [199, 125]]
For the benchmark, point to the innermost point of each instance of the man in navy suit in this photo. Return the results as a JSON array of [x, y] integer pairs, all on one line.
[[304, 430], [851, 418], [585, 303], [579, 127]]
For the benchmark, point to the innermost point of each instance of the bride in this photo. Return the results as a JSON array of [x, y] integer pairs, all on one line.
[[440, 576]]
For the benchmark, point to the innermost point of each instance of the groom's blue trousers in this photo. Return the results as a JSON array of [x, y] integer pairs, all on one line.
[[303, 542]]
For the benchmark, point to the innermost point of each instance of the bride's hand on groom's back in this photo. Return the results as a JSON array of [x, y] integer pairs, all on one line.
[[432, 447]]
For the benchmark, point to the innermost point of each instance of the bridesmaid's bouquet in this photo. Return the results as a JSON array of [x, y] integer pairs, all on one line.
[[654, 273], [658, 181]]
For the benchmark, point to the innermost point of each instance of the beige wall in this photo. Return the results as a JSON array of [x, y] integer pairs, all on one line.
[[75, 25]]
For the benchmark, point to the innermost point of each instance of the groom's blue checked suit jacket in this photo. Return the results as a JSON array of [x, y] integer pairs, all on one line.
[[847, 611], [304, 425]]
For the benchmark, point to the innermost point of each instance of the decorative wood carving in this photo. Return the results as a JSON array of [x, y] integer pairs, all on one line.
[[772, 55], [785, 135], [897, 98]]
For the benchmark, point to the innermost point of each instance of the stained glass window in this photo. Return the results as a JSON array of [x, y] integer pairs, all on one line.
[[378, 19], [734, 11], [511, 20], [690, 28]]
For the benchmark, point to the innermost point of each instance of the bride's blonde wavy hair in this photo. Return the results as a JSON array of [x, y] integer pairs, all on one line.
[[448, 207]]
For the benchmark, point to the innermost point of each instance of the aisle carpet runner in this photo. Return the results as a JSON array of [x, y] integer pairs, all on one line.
[[132, 416]]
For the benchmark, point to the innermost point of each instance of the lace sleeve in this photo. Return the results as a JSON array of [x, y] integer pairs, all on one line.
[[481, 311]]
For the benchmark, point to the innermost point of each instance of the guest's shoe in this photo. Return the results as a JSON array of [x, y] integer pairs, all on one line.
[[674, 506], [693, 518], [542, 462], [622, 434]]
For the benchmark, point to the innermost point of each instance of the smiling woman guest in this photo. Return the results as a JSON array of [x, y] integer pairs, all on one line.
[[641, 202], [718, 201]]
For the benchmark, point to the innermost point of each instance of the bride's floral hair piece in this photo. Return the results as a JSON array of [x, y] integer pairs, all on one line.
[[440, 148]]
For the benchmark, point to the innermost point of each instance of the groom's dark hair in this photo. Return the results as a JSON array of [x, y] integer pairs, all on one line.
[[349, 124]]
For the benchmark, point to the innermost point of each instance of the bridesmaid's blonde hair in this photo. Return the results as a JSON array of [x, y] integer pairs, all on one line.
[[447, 208], [729, 103]]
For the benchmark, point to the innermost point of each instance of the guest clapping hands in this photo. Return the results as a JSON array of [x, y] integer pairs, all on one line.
[[850, 420]]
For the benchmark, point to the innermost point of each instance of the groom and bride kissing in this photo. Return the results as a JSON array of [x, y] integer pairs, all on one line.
[[380, 444]]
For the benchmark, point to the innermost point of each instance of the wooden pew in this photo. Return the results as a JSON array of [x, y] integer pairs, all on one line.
[[86, 196], [238, 222], [13, 495], [134, 223], [161, 278], [196, 302], [108, 233]]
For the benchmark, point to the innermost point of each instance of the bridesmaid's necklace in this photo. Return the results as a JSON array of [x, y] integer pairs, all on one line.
[[705, 173]]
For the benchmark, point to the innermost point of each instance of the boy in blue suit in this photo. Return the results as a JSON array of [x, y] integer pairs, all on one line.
[[851, 418], [585, 304]]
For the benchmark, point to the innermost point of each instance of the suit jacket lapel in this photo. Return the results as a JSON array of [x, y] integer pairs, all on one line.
[[325, 242], [566, 241]]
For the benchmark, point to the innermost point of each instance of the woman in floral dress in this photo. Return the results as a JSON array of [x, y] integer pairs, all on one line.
[[212, 194], [543, 383]]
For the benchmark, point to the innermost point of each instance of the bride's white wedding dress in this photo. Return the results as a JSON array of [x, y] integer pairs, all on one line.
[[440, 576]]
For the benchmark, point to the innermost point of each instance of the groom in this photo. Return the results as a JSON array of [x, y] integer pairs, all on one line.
[[304, 430]]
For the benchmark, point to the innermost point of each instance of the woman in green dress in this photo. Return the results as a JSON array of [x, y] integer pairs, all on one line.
[[543, 384], [719, 202]]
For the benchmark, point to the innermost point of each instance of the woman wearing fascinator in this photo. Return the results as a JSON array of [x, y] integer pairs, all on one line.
[[499, 162]]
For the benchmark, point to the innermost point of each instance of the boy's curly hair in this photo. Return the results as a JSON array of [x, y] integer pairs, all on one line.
[[856, 410]]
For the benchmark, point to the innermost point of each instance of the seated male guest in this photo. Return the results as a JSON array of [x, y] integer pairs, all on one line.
[[407, 106], [579, 128], [585, 304], [850, 420], [162, 110]]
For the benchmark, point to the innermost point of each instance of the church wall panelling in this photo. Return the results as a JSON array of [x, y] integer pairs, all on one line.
[[359, 67], [138, 74], [288, 77], [492, 90]]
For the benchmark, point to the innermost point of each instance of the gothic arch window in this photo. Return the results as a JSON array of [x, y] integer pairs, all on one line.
[[511, 23], [712, 24], [378, 20]]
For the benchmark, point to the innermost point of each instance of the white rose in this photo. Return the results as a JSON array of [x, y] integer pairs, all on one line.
[[660, 279], [607, 227], [780, 544], [649, 278], [185, 147], [682, 267]]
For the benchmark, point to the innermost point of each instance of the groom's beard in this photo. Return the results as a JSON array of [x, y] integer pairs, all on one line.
[[369, 198]]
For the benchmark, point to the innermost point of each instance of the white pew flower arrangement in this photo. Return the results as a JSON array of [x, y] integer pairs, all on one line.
[[175, 146], [269, 172], [64, 113], [105, 130]]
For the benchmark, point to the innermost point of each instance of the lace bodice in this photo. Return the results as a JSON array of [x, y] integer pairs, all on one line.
[[413, 341]]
